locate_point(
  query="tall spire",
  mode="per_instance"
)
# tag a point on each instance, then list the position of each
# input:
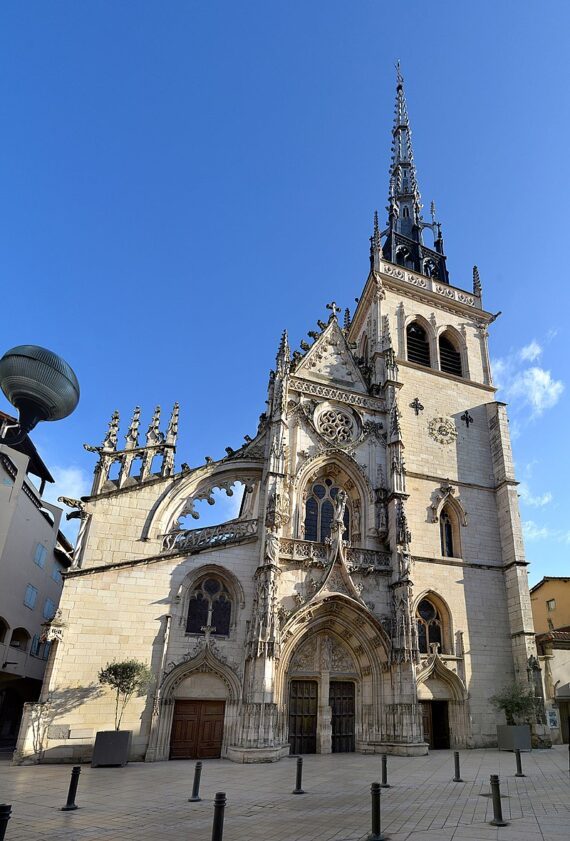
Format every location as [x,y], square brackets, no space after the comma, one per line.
[404,190]
[404,241]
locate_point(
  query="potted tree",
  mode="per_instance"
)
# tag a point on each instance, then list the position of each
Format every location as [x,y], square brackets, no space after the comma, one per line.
[519,705]
[112,747]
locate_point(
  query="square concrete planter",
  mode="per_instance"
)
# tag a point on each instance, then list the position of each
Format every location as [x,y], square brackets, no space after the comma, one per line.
[513,736]
[112,747]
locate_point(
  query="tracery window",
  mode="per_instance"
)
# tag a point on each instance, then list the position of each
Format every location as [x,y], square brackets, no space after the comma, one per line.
[319,510]
[210,606]
[418,345]
[429,626]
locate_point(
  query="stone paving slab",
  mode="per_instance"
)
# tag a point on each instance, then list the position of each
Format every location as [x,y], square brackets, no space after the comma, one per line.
[149,802]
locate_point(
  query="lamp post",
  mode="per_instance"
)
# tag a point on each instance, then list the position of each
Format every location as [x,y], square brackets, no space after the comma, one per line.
[40,384]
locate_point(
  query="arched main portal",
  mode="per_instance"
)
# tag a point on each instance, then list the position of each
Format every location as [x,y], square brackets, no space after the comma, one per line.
[331,679]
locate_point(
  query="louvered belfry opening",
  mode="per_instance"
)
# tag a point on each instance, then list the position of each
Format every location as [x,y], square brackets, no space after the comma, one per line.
[418,345]
[449,357]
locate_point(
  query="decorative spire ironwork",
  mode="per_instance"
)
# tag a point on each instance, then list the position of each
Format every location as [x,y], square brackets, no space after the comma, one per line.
[404,242]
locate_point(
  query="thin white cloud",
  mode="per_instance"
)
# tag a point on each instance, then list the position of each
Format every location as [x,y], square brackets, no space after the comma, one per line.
[530,352]
[533,531]
[536,388]
[529,498]
[527,387]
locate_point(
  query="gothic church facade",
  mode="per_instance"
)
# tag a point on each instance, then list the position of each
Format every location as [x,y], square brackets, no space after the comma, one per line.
[372,593]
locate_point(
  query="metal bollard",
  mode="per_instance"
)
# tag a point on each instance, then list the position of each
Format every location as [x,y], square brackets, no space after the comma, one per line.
[70,805]
[299,779]
[497,809]
[384,783]
[519,764]
[376,834]
[196,784]
[457,777]
[5,812]
[218,825]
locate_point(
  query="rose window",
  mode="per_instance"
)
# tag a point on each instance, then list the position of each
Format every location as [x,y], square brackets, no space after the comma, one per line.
[336,425]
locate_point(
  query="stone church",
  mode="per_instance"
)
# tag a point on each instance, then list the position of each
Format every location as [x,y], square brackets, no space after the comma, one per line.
[372,593]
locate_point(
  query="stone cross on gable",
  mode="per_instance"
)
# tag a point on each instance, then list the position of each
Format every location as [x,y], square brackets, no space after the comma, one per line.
[333,308]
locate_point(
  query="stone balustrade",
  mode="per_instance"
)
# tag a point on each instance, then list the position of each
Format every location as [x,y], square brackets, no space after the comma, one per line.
[209,537]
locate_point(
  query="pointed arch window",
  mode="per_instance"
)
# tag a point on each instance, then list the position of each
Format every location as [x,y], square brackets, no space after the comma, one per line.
[210,606]
[449,356]
[319,511]
[449,533]
[418,345]
[429,624]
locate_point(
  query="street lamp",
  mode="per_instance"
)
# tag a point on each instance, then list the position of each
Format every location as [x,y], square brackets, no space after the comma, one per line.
[40,384]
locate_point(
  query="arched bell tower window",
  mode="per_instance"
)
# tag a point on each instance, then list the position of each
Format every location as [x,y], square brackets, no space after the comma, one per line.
[449,356]
[210,606]
[429,626]
[418,345]
[319,511]
[449,533]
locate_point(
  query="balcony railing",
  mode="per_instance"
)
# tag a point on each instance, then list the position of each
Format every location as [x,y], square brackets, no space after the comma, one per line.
[209,537]
[316,554]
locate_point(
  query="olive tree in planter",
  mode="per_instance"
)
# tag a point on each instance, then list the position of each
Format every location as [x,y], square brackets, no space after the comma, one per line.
[127,678]
[518,703]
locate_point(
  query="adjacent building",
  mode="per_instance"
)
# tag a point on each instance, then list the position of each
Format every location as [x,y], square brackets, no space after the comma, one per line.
[550,602]
[371,594]
[33,555]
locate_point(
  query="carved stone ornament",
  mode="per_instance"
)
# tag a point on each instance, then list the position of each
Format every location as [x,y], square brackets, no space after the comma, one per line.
[54,629]
[336,425]
[442,430]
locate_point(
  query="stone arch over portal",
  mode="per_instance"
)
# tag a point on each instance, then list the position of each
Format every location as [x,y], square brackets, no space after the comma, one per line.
[355,632]
[205,661]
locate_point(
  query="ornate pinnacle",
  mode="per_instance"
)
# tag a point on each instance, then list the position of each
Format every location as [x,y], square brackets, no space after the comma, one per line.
[110,441]
[132,436]
[305,346]
[154,435]
[284,353]
[172,430]
[477,290]
[347,319]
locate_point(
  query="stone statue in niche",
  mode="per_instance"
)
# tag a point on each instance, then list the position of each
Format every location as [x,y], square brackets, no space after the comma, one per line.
[271,547]
[326,653]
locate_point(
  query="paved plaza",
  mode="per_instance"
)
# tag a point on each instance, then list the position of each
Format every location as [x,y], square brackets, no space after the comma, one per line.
[148,802]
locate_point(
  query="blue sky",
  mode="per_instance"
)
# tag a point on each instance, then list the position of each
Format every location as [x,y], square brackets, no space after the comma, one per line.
[181,181]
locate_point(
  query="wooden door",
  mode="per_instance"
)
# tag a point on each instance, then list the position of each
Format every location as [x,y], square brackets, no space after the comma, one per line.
[427,722]
[341,701]
[197,729]
[303,700]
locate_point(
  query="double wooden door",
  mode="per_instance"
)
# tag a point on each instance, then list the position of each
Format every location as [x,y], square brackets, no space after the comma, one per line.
[303,711]
[197,729]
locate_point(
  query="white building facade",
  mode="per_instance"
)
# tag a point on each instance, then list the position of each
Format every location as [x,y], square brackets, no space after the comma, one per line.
[372,593]
[33,555]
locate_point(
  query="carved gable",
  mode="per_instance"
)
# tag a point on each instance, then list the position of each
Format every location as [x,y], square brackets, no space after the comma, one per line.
[330,360]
